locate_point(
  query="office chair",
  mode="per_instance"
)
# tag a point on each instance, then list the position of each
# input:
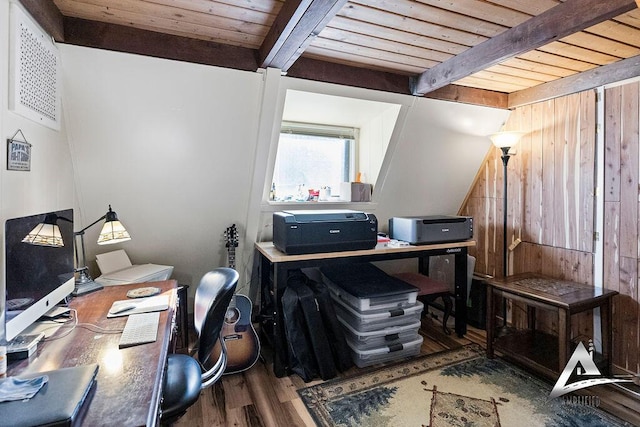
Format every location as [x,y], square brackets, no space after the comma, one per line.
[186,376]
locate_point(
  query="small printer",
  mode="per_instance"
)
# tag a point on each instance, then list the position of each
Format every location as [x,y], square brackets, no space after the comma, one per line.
[423,230]
[314,231]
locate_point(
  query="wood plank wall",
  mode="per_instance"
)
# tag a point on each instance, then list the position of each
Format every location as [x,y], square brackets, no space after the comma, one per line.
[550,193]
[622,165]
[551,181]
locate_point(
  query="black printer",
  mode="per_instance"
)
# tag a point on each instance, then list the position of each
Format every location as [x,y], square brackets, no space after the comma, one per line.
[313,231]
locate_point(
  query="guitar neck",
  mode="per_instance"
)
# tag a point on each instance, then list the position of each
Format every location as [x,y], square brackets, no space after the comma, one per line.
[231,234]
[232,257]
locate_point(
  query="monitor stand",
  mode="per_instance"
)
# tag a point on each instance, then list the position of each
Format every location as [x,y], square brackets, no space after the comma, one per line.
[56,312]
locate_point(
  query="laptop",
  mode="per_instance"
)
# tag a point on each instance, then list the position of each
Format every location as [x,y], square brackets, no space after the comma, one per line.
[59,401]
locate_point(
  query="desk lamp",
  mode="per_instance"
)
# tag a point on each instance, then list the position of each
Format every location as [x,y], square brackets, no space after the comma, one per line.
[112,232]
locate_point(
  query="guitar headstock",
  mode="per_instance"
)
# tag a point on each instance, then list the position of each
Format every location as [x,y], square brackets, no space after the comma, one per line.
[231,236]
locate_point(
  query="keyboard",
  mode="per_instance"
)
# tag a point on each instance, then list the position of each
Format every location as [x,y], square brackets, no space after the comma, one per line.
[141,328]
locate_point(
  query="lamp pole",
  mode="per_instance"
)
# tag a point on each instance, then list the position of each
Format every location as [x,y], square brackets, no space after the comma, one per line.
[505,159]
[504,141]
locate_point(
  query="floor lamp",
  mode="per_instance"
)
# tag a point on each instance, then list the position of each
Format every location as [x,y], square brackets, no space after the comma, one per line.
[504,141]
[112,232]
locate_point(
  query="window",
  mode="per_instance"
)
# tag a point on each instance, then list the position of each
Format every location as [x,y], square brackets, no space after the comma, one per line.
[313,157]
[325,140]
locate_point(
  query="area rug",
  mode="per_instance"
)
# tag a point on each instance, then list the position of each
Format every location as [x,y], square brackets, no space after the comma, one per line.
[459,387]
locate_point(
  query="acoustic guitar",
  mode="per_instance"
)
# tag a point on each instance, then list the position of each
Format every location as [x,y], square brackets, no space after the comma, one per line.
[240,338]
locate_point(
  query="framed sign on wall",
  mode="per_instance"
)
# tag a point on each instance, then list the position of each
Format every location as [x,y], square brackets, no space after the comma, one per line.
[18,153]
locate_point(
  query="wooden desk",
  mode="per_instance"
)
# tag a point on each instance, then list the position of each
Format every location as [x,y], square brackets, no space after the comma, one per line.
[275,267]
[543,352]
[129,381]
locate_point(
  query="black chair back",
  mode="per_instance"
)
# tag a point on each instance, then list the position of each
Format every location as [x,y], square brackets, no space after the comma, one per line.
[212,299]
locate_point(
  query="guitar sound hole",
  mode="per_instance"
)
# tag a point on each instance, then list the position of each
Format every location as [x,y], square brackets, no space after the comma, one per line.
[232,316]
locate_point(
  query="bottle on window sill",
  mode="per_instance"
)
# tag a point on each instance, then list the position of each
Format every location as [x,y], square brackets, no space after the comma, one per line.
[272,193]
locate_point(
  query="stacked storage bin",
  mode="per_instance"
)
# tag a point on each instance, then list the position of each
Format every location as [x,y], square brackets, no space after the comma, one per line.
[379,313]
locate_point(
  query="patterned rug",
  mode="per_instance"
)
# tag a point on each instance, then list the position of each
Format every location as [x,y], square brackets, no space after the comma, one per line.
[459,387]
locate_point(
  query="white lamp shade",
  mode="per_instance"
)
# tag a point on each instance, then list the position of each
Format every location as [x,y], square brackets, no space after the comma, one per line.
[45,234]
[113,232]
[506,138]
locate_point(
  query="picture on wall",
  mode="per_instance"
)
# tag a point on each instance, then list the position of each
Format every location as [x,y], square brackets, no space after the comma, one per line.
[18,155]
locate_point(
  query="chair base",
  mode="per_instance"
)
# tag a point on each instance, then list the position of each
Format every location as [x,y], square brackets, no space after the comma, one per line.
[181,388]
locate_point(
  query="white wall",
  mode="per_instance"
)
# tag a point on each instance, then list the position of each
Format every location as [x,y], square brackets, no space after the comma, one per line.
[375,134]
[182,151]
[170,146]
[438,153]
[48,186]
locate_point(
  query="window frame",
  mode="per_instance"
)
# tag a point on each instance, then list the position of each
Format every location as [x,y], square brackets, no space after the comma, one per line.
[350,165]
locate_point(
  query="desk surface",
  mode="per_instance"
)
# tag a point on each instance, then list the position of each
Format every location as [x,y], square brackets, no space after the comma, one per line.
[129,381]
[274,255]
[557,292]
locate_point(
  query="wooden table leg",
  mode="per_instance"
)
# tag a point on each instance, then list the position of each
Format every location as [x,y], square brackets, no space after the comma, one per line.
[607,336]
[531,318]
[564,335]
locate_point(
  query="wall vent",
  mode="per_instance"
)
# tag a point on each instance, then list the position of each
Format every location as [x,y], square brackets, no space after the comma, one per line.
[34,75]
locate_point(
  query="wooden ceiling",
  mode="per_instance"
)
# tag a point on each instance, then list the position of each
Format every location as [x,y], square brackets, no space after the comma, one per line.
[494,52]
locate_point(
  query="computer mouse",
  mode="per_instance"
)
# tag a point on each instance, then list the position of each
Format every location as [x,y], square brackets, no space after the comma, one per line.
[121,307]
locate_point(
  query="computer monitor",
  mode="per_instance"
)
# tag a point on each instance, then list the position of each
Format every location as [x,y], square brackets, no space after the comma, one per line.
[37,276]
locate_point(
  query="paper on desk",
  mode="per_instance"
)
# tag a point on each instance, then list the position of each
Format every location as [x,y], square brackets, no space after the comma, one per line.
[112,261]
[143,305]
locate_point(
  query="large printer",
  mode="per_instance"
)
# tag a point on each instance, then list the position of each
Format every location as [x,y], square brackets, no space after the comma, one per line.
[314,231]
[421,230]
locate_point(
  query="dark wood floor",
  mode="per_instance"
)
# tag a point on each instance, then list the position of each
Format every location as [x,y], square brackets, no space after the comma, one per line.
[257,398]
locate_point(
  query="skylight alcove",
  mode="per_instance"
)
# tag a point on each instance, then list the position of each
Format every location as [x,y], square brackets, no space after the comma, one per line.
[326,141]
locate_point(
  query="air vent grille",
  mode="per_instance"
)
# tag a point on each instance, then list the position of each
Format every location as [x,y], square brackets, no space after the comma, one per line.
[35,72]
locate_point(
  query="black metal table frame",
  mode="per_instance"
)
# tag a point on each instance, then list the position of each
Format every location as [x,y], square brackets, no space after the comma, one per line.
[275,274]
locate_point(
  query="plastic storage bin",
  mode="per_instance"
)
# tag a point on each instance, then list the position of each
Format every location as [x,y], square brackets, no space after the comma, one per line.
[374,303]
[381,337]
[375,319]
[363,358]
[366,287]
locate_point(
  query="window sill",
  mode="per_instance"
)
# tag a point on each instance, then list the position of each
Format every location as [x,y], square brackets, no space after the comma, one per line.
[268,206]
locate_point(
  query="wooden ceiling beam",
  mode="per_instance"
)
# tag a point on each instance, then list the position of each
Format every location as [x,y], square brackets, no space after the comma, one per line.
[471,95]
[347,75]
[590,79]
[297,24]
[48,16]
[555,23]
[126,39]
[121,38]
[142,42]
